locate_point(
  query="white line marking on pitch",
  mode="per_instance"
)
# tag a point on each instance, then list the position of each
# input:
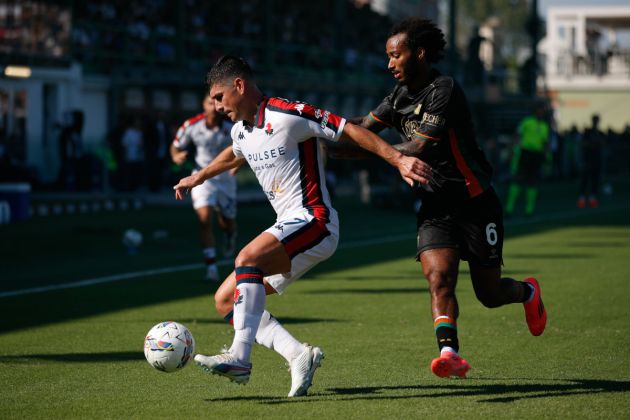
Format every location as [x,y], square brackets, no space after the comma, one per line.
[355,244]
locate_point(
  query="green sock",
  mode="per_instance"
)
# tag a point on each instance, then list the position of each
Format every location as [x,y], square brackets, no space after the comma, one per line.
[530,197]
[513,192]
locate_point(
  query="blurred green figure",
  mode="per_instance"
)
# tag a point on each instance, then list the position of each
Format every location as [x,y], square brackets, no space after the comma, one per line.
[529,156]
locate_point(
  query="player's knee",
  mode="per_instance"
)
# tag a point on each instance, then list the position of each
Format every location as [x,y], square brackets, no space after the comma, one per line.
[246,258]
[223,302]
[488,300]
[440,285]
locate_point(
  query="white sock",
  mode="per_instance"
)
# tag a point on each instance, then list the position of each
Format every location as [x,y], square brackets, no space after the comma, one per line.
[447,349]
[272,335]
[248,309]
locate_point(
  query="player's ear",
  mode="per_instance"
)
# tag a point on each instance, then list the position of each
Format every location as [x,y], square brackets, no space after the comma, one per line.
[239,85]
[421,53]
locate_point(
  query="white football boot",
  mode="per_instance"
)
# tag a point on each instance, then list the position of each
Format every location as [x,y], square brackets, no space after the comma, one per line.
[303,369]
[225,364]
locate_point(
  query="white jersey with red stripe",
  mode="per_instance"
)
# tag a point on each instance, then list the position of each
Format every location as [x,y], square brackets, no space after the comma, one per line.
[283,151]
[208,142]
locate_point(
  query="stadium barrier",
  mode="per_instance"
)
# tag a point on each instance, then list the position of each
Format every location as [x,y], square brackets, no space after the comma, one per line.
[17,195]
[5,213]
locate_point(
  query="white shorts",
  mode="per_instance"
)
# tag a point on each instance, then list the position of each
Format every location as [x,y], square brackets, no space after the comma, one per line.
[208,195]
[308,241]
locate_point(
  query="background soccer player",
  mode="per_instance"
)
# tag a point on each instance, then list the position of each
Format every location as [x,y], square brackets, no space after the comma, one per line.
[208,135]
[460,217]
[533,142]
[278,139]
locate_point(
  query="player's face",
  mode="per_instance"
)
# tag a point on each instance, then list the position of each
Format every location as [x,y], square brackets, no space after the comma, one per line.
[403,64]
[210,110]
[227,99]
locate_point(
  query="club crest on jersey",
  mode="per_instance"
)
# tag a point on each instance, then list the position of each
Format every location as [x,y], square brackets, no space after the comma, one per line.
[409,127]
[268,129]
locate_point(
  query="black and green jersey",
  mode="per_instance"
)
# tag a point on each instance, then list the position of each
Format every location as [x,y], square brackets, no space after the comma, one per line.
[439,114]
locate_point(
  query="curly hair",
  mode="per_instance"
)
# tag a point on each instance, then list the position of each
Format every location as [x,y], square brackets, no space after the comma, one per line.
[228,66]
[422,33]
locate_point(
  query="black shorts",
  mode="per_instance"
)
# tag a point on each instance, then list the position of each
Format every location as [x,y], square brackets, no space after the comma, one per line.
[530,164]
[474,227]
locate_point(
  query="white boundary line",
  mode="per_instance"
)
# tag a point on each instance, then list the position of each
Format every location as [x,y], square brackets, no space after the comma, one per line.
[355,244]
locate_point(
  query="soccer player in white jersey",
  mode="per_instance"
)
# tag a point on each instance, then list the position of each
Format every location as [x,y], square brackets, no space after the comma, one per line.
[209,135]
[278,139]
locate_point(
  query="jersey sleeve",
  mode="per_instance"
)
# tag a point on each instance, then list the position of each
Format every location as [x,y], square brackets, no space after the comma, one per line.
[434,115]
[311,121]
[384,113]
[236,147]
[182,136]
[325,125]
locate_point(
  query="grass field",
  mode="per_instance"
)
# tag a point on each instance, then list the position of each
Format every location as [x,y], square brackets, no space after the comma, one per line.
[77,352]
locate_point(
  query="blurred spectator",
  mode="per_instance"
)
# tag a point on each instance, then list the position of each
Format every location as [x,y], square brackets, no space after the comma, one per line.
[157,139]
[593,143]
[529,156]
[70,149]
[572,141]
[475,70]
[133,156]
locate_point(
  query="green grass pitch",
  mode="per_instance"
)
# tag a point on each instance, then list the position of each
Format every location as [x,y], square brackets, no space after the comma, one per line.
[77,352]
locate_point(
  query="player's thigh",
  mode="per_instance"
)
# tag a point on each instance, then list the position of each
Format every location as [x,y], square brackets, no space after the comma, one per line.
[266,253]
[307,242]
[204,214]
[302,262]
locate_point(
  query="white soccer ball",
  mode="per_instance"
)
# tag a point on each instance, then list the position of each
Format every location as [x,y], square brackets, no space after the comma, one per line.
[132,238]
[169,346]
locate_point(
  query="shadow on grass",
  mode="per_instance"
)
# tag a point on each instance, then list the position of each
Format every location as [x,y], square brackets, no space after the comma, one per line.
[284,320]
[103,357]
[487,393]
[388,291]
[549,256]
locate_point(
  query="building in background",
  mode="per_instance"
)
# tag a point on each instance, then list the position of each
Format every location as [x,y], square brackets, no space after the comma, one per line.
[587,65]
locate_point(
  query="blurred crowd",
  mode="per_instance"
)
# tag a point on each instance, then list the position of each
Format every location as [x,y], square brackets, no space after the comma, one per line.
[34,27]
[154,30]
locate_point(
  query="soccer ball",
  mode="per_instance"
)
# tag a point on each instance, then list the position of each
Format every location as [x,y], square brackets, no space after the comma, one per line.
[169,346]
[132,238]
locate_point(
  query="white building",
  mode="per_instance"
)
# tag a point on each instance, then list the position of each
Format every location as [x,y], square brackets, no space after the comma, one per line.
[586,59]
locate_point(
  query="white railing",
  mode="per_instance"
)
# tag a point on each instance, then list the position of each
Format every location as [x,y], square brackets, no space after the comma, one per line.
[570,64]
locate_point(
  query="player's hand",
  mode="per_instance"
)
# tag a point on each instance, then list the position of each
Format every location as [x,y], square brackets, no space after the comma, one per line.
[180,157]
[185,185]
[414,170]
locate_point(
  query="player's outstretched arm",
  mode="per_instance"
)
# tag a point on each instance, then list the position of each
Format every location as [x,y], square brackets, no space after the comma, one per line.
[178,156]
[411,169]
[224,161]
[350,150]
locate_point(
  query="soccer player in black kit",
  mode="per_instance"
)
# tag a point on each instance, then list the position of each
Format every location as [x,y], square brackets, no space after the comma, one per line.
[461,216]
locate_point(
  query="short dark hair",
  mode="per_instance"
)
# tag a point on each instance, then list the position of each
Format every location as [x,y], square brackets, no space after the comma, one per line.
[228,66]
[421,33]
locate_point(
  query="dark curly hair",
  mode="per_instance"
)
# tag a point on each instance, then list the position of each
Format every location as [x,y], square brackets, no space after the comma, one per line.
[228,66]
[422,33]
